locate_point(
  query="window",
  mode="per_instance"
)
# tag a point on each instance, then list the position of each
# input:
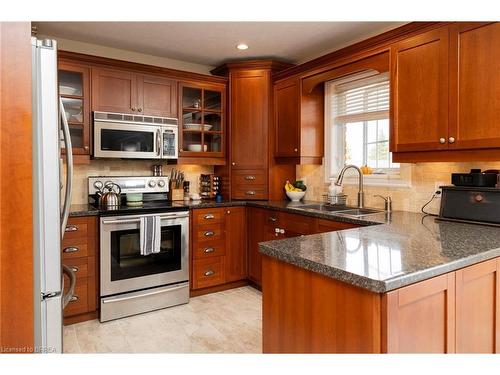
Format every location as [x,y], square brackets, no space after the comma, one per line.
[357,124]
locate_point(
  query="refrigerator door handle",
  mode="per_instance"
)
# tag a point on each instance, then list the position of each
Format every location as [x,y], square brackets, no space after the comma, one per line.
[69,168]
[72,282]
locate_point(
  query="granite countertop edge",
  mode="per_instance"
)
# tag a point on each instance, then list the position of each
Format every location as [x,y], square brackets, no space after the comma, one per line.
[378,286]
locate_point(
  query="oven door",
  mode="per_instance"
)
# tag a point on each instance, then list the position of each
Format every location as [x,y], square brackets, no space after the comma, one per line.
[128,141]
[124,269]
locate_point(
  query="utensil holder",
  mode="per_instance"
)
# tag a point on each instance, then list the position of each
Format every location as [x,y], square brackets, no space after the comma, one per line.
[176,194]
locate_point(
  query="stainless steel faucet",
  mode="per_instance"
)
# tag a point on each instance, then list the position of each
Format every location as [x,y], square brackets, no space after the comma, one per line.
[361,194]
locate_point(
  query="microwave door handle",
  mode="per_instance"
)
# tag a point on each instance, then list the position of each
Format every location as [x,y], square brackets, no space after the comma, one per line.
[69,168]
[158,143]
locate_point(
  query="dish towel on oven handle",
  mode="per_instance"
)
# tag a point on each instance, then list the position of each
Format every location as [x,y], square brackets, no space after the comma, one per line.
[150,235]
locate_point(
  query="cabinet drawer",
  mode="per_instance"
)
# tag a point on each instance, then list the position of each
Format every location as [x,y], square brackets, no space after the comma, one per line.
[74,249]
[82,267]
[250,192]
[205,233]
[249,177]
[209,249]
[329,225]
[79,302]
[77,227]
[207,216]
[208,272]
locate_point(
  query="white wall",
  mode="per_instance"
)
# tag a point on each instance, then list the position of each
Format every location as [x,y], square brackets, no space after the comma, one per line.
[120,54]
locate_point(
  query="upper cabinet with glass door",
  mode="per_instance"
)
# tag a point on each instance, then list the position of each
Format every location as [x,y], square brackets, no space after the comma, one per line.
[74,89]
[202,120]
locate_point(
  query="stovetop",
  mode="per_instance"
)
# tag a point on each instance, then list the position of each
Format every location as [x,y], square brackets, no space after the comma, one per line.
[148,207]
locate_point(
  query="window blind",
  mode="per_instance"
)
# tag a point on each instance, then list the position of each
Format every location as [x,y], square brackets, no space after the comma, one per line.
[361,100]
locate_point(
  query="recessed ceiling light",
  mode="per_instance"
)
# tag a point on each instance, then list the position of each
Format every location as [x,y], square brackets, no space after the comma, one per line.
[242,46]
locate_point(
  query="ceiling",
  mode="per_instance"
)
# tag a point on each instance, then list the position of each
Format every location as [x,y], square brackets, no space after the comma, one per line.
[211,43]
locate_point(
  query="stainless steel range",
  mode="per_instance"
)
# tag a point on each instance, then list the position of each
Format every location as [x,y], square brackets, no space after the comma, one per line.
[132,280]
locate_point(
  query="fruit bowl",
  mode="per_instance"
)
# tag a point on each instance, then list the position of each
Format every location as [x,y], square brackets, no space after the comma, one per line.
[295,196]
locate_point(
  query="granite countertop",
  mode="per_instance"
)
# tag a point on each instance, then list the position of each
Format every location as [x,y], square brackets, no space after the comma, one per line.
[391,252]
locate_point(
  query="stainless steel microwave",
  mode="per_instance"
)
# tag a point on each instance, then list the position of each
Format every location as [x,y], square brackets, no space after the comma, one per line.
[119,135]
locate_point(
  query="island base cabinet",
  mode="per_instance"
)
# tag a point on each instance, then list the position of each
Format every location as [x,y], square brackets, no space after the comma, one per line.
[478,308]
[305,312]
[420,318]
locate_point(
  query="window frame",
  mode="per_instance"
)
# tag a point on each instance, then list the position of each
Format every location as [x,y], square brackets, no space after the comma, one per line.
[335,140]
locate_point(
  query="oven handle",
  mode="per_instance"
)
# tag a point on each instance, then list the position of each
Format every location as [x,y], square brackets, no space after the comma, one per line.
[137,220]
[119,299]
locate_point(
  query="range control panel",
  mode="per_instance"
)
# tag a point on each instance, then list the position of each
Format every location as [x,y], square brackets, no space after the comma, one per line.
[149,184]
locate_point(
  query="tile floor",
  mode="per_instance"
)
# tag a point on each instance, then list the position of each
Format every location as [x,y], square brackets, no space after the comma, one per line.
[224,322]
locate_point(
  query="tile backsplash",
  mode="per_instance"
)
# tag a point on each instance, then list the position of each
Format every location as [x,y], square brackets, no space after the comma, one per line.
[422,178]
[119,167]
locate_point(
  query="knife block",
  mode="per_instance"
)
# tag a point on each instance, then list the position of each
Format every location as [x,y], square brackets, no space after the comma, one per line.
[176,194]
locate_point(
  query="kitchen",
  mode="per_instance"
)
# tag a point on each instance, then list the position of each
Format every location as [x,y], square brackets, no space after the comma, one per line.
[340,201]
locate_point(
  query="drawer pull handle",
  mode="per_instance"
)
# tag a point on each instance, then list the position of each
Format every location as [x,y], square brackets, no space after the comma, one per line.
[250,192]
[74,268]
[209,250]
[209,216]
[250,178]
[209,273]
[71,228]
[272,219]
[74,298]
[209,233]
[71,249]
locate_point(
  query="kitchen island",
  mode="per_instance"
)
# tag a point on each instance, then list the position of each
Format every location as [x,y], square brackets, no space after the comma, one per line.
[408,284]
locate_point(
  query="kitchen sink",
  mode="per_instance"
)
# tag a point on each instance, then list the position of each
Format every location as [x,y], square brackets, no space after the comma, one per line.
[341,210]
[360,212]
[325,207]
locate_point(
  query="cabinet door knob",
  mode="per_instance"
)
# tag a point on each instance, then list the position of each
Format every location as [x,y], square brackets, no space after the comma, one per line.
[139,109]
[233,163]
[295,149]
[228,212]
[442,140]
[282,231]
[133,109]
[86,148]
[451,140]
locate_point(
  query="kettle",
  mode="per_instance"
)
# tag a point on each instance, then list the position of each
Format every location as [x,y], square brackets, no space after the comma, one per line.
[109,198]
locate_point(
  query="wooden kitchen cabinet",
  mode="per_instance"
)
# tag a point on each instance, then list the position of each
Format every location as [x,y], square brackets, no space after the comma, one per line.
[236,243]
[443,84]
[79,252]
[478,308]
[128,92]
[249,118]
[157,96]
[252,173]
[421,317]
[298,123]
[202,122]
[74,90]
[219,248]
[420,90]
[475,85]
[261,228]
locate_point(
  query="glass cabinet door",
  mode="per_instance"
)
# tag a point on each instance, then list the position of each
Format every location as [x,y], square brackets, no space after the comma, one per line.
[74,90]
[202,122]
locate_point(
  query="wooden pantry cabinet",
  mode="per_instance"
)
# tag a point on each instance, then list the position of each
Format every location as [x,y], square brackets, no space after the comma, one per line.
[218,248]
[129,92]
[444,86]
[252,173]
[79,252]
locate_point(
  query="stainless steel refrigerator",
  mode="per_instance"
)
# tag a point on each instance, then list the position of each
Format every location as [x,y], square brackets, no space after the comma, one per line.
[50,128]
